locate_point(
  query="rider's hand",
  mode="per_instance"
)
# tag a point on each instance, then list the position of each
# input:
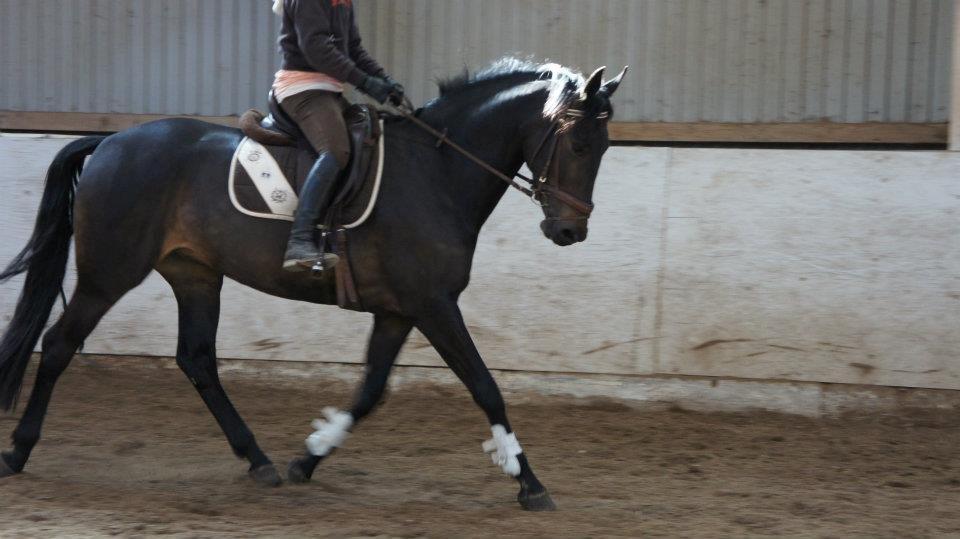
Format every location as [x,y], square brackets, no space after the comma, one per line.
[396,91]
[377,88]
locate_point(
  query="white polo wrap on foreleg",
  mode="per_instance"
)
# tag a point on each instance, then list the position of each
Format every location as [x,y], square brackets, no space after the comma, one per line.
[504,449]
[330,433]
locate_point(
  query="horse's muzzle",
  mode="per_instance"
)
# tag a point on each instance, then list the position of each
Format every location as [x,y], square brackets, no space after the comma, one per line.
[564,232]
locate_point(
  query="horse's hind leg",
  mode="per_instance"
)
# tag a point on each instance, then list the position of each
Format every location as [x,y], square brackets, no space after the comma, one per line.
[197,289]
[86,308]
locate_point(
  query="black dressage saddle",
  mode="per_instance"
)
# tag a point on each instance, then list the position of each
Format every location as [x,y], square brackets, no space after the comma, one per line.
[278,130]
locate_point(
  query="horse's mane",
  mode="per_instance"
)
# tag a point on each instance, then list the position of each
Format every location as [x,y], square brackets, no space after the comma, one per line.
[564,84]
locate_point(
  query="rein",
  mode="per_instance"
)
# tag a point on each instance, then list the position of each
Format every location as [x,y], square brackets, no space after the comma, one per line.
[538,189]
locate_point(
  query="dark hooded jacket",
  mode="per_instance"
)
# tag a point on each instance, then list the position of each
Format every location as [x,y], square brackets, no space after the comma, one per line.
[322,36]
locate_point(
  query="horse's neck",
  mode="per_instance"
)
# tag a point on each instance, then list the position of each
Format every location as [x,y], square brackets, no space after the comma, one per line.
[494,136]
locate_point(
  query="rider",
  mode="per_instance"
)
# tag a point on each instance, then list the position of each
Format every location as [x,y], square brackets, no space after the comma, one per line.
[321,50]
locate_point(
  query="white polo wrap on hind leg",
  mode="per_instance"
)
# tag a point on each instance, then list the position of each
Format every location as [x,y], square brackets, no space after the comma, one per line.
[504,449]
[331,433]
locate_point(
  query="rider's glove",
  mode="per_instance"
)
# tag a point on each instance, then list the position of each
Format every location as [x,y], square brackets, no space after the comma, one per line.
[377,88]
[396,91]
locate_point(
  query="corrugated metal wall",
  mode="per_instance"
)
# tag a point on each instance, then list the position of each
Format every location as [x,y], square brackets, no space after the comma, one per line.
[693,60]
[210,57]
[699,60]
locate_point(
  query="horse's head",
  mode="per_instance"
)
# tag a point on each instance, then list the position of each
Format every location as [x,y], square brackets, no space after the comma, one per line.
[564,150]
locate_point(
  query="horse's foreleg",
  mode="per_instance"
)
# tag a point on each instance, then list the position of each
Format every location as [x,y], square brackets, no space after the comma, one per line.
[59,344]
[198,297]
[389,334]
[450,336]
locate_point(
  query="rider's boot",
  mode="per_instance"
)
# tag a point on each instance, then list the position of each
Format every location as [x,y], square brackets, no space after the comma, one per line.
[318,190]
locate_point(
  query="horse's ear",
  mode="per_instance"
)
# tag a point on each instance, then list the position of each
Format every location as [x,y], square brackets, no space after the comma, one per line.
[610,87]
[592,86]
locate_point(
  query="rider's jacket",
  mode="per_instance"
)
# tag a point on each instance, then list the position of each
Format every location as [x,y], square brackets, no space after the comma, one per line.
[322,36]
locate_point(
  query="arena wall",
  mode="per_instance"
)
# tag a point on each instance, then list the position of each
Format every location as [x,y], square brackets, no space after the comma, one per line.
[737,70]
[827,266]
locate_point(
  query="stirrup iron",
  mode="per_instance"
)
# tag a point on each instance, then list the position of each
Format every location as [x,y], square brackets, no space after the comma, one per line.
[321,265]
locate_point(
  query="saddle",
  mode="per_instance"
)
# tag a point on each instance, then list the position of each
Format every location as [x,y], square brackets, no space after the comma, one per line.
[278,130]
[271,165]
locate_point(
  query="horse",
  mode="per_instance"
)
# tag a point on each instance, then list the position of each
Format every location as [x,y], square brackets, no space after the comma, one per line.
[132,208]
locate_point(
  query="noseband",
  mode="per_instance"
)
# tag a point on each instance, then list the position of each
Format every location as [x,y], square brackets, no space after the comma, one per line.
[539,190]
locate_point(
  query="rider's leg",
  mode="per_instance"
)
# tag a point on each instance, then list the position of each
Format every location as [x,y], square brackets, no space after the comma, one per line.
[317,192]
[320,116]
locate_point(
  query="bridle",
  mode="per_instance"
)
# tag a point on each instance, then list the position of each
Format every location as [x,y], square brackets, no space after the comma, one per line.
[539,190]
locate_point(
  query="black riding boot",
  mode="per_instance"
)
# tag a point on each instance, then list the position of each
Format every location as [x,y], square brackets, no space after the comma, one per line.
[317,193]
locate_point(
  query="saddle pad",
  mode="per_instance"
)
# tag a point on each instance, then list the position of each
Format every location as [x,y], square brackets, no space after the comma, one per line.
[264,182]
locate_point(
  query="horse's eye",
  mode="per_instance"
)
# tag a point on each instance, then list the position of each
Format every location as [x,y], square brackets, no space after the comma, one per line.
[579,147]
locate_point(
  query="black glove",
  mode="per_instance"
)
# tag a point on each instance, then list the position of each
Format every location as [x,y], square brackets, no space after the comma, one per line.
[377,88]
[396,91]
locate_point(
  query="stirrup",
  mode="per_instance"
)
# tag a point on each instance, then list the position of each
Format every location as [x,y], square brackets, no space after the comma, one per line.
[301,257]
[326,260]
[317,264]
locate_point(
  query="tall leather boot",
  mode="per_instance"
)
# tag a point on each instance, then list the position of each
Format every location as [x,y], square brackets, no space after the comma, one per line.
[318,190]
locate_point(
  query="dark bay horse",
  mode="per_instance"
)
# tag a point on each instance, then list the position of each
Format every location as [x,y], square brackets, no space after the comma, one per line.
[154,197]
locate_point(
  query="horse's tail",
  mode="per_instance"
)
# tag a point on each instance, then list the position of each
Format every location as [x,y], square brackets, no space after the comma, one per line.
[44,259]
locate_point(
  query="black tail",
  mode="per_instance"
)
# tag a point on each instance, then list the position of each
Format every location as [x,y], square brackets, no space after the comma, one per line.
[45,261]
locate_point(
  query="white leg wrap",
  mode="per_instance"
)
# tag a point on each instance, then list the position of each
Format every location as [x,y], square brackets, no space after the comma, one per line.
[331,433]
[503,449]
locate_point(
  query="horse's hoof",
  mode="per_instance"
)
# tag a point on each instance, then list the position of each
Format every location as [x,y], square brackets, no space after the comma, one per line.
[5,470]
[266,475]
[540,501]
[296,473]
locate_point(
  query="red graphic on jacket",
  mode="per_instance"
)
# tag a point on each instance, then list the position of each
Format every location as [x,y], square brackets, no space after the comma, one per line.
[336,3]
